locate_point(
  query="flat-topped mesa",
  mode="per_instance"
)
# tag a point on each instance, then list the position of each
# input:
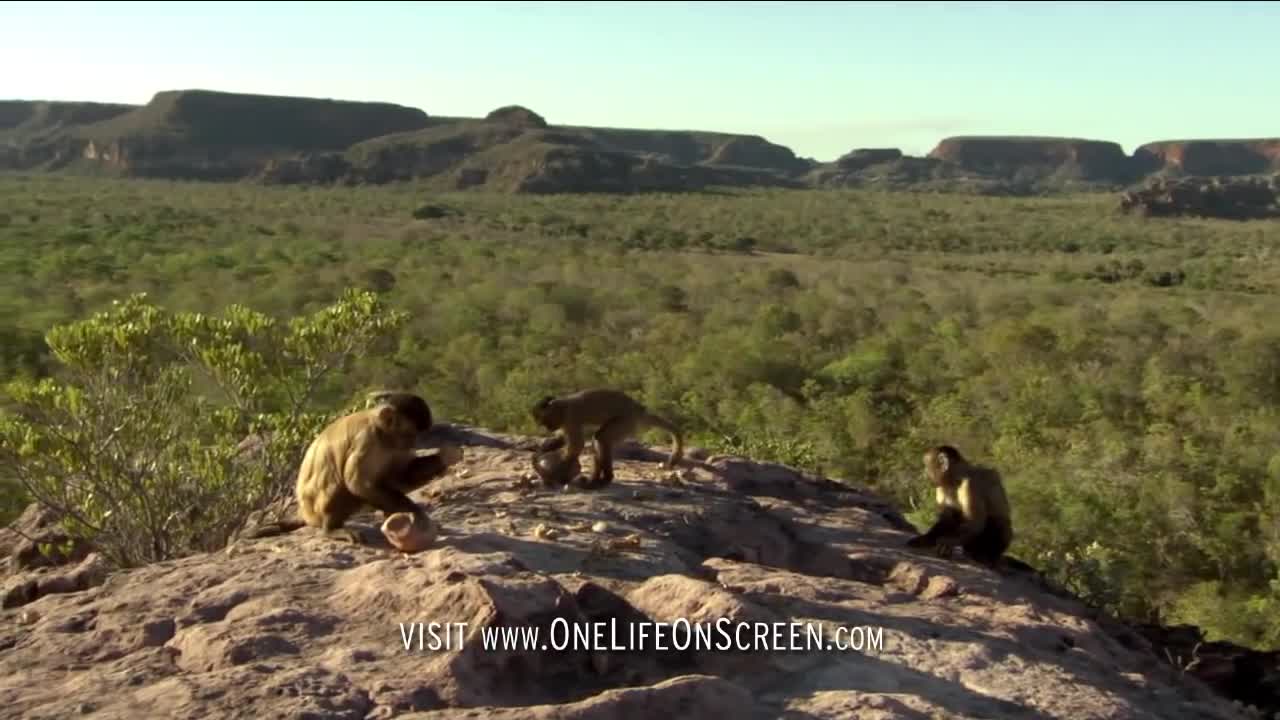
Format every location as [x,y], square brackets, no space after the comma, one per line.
[859,158]
[247,120]
[1087,159]
[1213,157]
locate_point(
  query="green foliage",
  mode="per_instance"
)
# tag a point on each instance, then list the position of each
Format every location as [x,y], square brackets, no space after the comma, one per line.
[137,443]
[1132,413]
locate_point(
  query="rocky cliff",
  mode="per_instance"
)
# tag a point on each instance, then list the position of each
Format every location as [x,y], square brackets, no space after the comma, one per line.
[1213,157]
[25,120]
[1009,156]
[825,612]
[232,136]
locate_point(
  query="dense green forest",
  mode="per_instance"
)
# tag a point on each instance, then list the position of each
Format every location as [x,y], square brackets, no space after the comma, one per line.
[1122,373]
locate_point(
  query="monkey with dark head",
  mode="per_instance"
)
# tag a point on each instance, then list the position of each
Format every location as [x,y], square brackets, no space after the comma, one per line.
[973,510]
[615,417]
[365,458]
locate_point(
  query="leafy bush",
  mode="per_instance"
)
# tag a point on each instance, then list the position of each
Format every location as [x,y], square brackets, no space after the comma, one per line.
[137,443]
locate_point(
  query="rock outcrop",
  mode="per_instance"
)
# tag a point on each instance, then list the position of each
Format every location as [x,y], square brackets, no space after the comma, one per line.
[1089,160]
[1241,199]
[25,120]
[1212,157]
[517,116]
[866,157]
[299,626]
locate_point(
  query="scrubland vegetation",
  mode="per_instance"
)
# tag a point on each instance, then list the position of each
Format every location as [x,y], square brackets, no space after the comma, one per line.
[1123,374]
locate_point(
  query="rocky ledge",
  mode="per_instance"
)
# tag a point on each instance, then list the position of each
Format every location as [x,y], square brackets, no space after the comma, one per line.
[301,627]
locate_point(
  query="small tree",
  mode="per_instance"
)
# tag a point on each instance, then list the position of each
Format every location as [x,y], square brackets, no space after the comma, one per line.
[139,445]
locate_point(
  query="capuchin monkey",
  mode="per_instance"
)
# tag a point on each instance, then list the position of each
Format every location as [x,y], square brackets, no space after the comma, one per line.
[614,414]
[365,458]
[973,509]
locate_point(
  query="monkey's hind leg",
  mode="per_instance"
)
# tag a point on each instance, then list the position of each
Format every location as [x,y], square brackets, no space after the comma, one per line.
[609,434]
[990,544]
[334,514]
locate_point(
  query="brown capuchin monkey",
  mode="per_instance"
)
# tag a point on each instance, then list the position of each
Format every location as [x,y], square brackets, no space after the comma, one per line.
[973,511]
[614,415]
[365,458]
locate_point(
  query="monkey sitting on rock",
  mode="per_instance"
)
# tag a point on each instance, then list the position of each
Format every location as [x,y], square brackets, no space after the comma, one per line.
[973,511]
[615,416]
[366,458]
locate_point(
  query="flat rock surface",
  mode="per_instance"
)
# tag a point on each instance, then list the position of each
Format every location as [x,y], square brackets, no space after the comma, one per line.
[634,589]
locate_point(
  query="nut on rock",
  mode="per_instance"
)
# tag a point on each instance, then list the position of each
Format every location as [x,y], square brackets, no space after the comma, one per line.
[407,536]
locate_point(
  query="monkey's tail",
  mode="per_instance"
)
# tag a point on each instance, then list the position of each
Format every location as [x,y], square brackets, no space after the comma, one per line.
[677,453]
[280,527]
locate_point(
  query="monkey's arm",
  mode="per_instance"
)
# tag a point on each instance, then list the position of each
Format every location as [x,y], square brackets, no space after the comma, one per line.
[422,469]
[555,442]
[949,518]
[372,478]
[573,441]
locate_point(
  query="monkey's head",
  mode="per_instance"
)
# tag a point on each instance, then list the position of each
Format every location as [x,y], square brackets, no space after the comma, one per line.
[412,410]
[940,462]
[548,413]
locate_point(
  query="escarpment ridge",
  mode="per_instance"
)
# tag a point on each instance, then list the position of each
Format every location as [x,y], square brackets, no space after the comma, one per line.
[227,136]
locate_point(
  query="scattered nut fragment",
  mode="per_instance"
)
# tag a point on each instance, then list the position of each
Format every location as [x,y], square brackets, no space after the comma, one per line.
[498,513]
[600,526]
[544,532]
[462,472]
[28,617]
[630,541]
[578,526]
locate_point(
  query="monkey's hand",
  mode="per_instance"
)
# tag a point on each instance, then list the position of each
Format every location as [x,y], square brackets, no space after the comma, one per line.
[450,455]
[555,442]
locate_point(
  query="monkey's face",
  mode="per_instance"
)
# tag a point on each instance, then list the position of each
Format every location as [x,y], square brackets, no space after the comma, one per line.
[935,467]
[412,408]
[548,414]
[397,428]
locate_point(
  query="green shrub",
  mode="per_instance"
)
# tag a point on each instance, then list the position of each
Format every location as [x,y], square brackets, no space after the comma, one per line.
[136,443]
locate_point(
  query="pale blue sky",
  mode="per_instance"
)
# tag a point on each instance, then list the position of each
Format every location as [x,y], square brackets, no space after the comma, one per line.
[821,78]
